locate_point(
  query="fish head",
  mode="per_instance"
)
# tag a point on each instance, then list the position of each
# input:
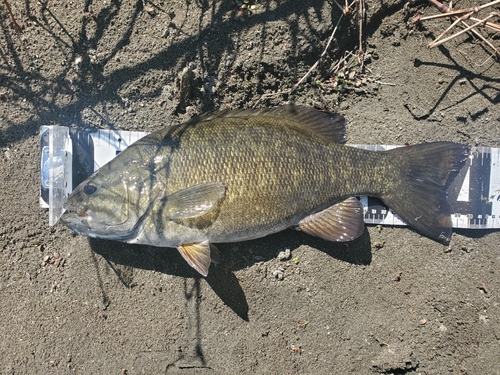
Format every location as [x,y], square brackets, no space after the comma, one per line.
[106,205]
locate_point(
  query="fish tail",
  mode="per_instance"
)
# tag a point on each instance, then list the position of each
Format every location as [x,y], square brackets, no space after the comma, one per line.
[418,192]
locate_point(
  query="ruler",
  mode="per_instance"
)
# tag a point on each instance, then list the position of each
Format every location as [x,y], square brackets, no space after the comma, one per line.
[69,156]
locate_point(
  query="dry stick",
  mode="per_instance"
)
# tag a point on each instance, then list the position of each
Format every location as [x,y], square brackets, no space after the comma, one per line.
[361,20]
[294,87]
[269,95]
[336,67]
[480,36]
[491,25]
[462,31]
[457,20]
[489,4]
[444,9]
[385,83]
[441,7]
[443,15]
[476,33]
[496,51]
[340,7]
[16,25]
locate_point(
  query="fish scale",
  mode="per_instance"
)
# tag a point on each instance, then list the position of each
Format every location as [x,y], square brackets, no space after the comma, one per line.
[257,175]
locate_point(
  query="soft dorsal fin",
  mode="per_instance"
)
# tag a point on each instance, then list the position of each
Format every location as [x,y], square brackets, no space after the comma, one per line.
[340,223]
[329,125]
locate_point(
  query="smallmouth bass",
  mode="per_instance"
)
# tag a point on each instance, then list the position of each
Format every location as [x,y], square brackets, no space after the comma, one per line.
[239,175]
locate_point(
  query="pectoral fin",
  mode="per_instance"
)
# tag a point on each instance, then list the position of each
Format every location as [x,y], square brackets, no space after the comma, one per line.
[199,255]
[340,223]
[193,201]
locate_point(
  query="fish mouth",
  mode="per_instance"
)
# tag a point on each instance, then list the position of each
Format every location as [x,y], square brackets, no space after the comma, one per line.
[76,218]
[81,211]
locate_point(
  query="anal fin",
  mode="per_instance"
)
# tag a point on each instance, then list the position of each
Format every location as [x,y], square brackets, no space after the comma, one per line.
[340,223]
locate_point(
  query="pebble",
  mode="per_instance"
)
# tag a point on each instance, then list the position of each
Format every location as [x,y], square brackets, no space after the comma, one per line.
[279,274]
[78,61]
[285,255]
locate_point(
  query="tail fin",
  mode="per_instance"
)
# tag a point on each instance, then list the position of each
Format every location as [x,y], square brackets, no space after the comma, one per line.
[419,194]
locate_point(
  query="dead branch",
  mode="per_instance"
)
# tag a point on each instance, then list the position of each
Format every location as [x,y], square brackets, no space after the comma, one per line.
[361,21]
[294,87]
[16,25]
[460,17]
[437,43]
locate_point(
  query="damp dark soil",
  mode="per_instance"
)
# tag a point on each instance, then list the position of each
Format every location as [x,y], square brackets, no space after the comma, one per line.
[391,302]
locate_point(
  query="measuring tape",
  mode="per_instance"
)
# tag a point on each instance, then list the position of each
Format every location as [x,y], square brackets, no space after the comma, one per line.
[70,156]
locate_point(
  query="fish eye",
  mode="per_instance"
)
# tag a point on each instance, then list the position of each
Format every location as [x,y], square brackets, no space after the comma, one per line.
[89,189]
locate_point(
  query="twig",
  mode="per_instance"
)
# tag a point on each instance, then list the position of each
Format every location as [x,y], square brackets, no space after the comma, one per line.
[340,7]
[346,56]
[443,15]
[269,95]
[361,20]
[441,7]
[437,43]
[294,87]
[446,11]
[385,83]
[491,25]
[464,14]
[16,25]
[457,20]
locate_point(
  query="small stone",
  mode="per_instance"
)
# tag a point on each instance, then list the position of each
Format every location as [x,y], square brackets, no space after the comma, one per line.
[78,61]
[284,255]
[278,274]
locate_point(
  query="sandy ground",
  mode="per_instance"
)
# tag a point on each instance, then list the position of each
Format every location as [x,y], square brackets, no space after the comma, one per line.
[74,305]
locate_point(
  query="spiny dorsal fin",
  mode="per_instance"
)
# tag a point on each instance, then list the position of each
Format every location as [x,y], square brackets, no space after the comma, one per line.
[340,223]
[329,125]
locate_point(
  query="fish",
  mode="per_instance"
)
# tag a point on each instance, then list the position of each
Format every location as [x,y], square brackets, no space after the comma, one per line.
[237,175]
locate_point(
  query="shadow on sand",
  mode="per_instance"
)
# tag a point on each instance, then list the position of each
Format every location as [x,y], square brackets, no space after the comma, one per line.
[221,278]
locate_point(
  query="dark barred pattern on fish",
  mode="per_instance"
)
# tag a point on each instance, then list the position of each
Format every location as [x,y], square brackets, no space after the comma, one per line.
[240,175]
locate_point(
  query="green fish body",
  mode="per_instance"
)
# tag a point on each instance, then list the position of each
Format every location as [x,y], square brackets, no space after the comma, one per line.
[240,175]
